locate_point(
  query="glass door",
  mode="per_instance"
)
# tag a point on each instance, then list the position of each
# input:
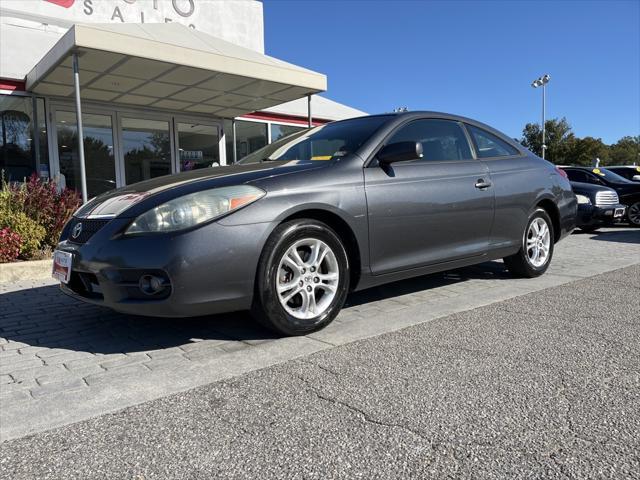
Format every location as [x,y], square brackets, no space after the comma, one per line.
[198,145]
[146,148]
[99,150]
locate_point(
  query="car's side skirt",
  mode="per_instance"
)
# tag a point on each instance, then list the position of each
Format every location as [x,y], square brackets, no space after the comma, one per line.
[367,280]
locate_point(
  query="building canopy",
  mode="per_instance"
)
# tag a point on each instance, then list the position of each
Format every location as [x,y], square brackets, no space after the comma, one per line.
[169,66]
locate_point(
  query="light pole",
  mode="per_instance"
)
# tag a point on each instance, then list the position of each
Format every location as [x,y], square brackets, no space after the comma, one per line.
[542,82]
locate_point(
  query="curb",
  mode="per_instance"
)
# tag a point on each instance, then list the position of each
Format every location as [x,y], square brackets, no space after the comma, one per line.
[29,270]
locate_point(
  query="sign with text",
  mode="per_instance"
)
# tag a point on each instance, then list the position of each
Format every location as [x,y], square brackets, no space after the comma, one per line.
[239,22]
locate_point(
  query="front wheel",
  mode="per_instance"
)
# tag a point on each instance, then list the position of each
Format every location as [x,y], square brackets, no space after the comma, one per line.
[633,214]
[534,256]
[303,278]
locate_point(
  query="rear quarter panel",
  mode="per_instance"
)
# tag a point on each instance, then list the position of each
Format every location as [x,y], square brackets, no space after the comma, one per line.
[520,184]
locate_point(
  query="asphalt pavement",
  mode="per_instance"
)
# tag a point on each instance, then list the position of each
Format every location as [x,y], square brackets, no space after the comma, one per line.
[545,385]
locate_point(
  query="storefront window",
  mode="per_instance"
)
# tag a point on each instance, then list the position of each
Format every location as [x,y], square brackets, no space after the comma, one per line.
[198,146]
[147,149]
[98,152]
[278,131]
[250,136]
[20,154]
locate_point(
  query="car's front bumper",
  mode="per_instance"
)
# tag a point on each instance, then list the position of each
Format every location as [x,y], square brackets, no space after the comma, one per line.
[593,215]
[207,270]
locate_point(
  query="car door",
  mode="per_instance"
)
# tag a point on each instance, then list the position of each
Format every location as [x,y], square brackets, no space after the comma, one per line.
[516,180]
[431,210]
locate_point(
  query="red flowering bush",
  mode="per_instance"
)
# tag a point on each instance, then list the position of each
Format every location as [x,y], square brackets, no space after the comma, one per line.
[42,202]
[9,245]
[33,214]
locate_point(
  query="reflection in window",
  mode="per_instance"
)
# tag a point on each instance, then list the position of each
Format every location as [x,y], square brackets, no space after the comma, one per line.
[198,146]
[250,136]
[98,152]
[278,131]
[440,139]
[147,149]
[19,153]
[488,145]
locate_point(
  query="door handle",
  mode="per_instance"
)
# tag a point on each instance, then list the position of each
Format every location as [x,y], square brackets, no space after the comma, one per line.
[481,184]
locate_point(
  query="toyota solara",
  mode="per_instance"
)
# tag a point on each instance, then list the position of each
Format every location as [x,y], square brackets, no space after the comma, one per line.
[291,229]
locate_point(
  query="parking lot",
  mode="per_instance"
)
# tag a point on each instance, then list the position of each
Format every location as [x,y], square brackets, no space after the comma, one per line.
[544,385]
[61,361]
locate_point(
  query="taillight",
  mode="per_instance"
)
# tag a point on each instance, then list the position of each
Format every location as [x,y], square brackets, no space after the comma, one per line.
[562,173]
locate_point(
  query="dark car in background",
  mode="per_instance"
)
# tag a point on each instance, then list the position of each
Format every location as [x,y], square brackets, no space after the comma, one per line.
[292,228]
[630,172]
[598,206]
[627,190]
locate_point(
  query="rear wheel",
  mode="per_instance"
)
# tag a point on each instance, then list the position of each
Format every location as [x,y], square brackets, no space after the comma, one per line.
[633,214]
[536,251]
[303,278]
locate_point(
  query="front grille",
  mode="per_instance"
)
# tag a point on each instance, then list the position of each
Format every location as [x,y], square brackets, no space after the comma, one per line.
[89,229]
[607,198]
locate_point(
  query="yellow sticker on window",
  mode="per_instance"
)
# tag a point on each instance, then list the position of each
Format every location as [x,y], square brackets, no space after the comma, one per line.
[598,172]
[322,157]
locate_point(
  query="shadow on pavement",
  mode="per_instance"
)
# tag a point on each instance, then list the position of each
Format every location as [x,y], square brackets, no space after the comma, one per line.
[45,317]
[619,236]
[487,270]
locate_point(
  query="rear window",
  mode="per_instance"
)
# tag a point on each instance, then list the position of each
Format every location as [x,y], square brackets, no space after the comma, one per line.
[326,142]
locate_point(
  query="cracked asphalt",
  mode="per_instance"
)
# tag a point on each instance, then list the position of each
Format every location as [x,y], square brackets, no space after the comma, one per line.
[545,385]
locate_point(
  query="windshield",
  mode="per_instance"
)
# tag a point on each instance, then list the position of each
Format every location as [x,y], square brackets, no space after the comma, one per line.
[611,176]
[326,142]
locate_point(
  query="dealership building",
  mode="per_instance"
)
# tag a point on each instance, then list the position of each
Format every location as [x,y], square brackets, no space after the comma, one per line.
[163,86]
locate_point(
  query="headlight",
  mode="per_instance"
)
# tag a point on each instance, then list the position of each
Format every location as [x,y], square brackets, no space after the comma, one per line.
[582,200]
[193,209]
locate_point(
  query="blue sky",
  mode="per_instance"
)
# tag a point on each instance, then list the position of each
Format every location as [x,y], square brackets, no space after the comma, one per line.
[473,58]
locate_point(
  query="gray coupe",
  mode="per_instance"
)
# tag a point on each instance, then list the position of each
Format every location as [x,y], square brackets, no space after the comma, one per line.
[291,229]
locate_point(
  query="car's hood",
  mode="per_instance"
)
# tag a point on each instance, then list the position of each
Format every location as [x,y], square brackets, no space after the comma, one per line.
[588,188]
[116,201]
[626,188]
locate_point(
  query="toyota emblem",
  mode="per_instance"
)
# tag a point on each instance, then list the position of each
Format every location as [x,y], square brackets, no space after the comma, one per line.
[77,230]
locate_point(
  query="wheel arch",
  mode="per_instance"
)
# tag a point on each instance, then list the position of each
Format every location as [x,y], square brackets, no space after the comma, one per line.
[342,229]
[552,210]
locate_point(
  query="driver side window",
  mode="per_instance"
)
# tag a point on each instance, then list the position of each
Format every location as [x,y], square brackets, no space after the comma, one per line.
[441,139]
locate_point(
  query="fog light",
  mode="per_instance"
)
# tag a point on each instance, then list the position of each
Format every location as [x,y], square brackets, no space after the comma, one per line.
[150,284]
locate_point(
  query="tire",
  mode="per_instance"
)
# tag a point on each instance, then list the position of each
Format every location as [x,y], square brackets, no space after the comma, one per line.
[314,287]
[521,263]
[633,214]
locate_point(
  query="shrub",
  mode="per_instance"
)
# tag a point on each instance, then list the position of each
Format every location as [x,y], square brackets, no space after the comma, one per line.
[30,232]
[41,202]
[9,245]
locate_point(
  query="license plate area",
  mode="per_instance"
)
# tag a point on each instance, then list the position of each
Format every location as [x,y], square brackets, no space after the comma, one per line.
[62,262]
[618,212]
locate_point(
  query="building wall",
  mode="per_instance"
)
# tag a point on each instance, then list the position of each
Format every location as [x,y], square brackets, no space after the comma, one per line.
[29,28]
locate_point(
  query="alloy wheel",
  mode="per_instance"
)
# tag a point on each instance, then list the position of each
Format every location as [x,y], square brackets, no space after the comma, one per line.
[538,242]
[634,213]
[308,277]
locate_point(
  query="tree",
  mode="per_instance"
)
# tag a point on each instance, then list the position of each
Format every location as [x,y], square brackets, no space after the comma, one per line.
[625,152]
[559,139]
[585,150]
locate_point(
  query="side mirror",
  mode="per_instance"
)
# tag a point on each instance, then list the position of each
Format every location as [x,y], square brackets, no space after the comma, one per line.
[636,178]
[399,152]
